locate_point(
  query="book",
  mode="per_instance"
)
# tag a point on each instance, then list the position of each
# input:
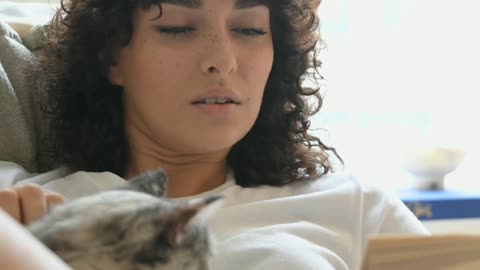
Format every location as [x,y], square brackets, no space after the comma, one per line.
[441,204]
[439,252]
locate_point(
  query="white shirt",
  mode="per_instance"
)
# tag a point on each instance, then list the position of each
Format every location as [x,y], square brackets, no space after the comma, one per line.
[318,224]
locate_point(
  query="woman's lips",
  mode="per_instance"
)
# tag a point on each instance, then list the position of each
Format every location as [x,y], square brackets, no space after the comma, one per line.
[219,93]
[217,111]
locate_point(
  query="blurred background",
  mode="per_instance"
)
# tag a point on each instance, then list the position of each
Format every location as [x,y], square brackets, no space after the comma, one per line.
[401,76]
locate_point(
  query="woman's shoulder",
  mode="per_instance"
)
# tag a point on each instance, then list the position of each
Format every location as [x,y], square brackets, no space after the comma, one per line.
[331,182]
[333,197]
[331,186]
[347,188]
[381,210]
[339,184]
[343,185]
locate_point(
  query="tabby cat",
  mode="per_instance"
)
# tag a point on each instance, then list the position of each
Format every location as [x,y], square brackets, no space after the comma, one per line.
[132,228]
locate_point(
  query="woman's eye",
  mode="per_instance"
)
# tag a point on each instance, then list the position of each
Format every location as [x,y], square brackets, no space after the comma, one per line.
[176,31]
[251,32]
[180,31]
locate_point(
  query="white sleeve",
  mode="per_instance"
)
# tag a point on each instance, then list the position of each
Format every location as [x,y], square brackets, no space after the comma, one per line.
[385,213]
[399,219]
[11,173]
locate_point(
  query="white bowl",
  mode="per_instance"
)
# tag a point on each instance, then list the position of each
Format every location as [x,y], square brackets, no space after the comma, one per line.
[429,166]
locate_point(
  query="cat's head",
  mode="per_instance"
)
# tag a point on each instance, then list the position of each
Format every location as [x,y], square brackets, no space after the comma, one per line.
[131,227]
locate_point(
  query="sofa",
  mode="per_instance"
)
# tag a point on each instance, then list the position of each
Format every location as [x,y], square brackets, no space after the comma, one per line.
[22,122]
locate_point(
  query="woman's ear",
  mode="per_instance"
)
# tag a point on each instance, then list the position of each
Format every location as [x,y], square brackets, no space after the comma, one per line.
[114,74]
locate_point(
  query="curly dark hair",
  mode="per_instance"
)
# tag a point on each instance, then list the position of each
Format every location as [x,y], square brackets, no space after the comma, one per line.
[86,111]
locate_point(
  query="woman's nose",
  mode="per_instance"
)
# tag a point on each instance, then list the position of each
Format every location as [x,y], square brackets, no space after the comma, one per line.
[219,55]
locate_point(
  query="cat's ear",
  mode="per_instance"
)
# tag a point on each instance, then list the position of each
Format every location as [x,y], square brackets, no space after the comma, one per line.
[153,183]
[196,211]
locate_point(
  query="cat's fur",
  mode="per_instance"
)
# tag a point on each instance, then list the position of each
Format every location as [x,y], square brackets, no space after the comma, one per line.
[130,228]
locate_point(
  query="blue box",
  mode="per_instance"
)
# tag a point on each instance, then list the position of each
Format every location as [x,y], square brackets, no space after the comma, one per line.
[441,204]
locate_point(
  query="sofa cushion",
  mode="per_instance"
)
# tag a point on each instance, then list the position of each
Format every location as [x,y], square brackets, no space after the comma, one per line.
[22,122]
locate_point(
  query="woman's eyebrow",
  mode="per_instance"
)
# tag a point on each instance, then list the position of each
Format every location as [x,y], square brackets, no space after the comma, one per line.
[239,4]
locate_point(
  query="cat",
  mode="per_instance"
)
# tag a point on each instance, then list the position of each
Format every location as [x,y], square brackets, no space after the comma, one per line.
[132,228]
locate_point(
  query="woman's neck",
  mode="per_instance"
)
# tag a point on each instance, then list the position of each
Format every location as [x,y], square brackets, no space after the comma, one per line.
[187,175]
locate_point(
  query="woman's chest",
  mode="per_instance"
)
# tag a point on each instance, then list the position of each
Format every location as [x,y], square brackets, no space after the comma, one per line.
[280,237]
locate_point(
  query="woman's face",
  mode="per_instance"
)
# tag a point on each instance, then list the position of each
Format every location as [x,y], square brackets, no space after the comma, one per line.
[196,53]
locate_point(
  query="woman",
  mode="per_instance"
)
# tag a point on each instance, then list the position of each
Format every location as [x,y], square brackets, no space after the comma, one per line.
[212,92]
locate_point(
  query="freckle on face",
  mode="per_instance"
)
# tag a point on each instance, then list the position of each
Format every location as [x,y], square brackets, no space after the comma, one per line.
[211,37]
